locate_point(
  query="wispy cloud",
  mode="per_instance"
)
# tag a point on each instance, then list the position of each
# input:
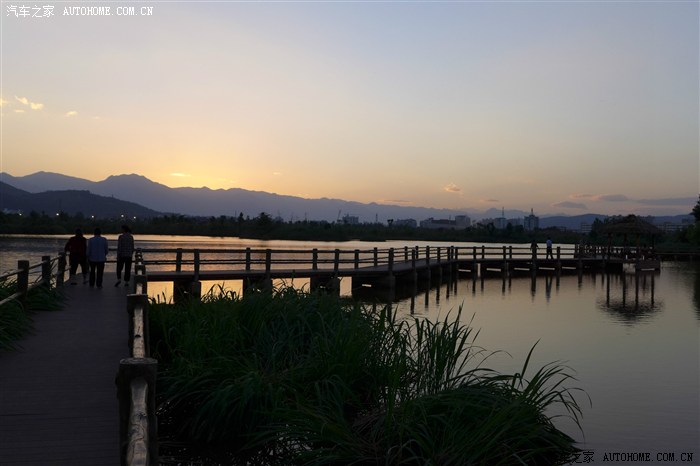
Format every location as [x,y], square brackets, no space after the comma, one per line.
[569,205]
[19,110]
[3,102]
[612,198]
[581,196]
[674,201]
[393,201]
[72,113]
[489,201]
[180,175]
[452,188]
[28,103]
[276,173]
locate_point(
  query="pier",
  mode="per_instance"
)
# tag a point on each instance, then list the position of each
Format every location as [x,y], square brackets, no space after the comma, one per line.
[80,389]
[382,270]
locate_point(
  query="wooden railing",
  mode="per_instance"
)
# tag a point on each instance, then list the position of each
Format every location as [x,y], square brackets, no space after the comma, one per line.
[136,382]
[43,273]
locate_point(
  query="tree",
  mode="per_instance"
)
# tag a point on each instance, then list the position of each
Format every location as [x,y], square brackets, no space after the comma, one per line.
[696,211]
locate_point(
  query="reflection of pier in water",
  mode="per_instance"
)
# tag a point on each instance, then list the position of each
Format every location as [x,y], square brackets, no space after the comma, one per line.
[635,302]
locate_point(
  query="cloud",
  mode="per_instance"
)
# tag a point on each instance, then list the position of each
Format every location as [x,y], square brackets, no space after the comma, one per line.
[581,196]
[674,201]
[393,201]
[276,173]
[569,205]
[180,175]
[72,113]
[489,201]
[613,198]
[32,105]
[19,110]
[3,102]
[452,188]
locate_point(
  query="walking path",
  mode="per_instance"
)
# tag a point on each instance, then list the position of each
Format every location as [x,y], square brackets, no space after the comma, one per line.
[58,400]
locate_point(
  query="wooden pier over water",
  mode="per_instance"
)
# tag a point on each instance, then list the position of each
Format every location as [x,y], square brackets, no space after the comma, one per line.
[380,269]
[59,403]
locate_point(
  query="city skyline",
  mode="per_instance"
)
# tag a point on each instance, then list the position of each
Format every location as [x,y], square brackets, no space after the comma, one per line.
[564,107]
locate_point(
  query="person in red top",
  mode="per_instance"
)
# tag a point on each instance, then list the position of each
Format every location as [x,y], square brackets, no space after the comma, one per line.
[76,247]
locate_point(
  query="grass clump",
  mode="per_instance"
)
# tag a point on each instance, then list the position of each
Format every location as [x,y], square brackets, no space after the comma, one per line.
[15,316]
[296,378]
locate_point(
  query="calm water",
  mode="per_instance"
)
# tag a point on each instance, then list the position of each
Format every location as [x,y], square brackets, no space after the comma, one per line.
[634,341]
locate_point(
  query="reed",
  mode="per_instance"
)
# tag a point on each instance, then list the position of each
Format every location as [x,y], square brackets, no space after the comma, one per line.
[300,378]
[15,317]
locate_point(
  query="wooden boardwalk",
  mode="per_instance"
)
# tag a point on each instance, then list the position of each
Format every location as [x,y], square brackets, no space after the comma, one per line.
[58,400]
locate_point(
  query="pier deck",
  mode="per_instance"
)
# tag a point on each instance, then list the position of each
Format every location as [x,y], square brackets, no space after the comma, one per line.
[58,403]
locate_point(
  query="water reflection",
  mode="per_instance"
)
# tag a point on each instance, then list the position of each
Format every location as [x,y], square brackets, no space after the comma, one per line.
[630,298]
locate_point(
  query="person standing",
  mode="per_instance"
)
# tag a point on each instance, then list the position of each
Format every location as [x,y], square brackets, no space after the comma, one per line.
[125,251]
[549,249]
[76,247]
[97,250]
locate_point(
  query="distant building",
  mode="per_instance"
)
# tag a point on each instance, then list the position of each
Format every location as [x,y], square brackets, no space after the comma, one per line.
[459,223]
[351,220]
[406,222]
[531,222]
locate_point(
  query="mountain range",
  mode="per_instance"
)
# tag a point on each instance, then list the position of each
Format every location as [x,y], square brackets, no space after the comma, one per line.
[136,195]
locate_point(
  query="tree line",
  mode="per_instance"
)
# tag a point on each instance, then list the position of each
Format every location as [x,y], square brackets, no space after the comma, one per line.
[264,226]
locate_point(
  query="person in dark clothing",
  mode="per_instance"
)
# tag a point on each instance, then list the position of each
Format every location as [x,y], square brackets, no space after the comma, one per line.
[76,247]
[125,251]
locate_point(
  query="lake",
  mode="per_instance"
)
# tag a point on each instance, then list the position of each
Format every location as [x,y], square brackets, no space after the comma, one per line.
[633,340]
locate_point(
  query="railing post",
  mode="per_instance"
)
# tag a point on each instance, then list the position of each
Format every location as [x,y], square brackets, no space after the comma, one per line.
[438,254]
[196,264]
[178,260]
[247,259]
[131,371]
[268,263]
[357,258]
[23,280]
[427,255]
[60,275]
[46,271]
[405,253]
[314,259]
[483,251]
[336,261]
[391,260]
[376,257]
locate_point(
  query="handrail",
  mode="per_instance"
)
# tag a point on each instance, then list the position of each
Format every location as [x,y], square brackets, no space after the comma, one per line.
[44,277]
[136,382]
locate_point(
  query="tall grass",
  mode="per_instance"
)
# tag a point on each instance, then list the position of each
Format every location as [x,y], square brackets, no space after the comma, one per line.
[304,379]
[15,317]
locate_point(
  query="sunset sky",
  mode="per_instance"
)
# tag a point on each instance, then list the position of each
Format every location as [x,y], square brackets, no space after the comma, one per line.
[563,107]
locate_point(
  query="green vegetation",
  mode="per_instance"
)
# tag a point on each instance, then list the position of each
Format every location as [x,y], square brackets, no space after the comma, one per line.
[265,227]
[15,318]
[293,378]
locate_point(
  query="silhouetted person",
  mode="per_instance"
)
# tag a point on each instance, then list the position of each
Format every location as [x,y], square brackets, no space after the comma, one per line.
[97,250]
[125,251]
[76,247]
[549,249]
[533,248]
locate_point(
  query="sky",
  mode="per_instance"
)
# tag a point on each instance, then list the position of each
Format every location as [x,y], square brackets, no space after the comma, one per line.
[565,107]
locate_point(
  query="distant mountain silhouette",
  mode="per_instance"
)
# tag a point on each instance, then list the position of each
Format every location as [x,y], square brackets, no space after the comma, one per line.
[215,202]
[156,197]
[70,202]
